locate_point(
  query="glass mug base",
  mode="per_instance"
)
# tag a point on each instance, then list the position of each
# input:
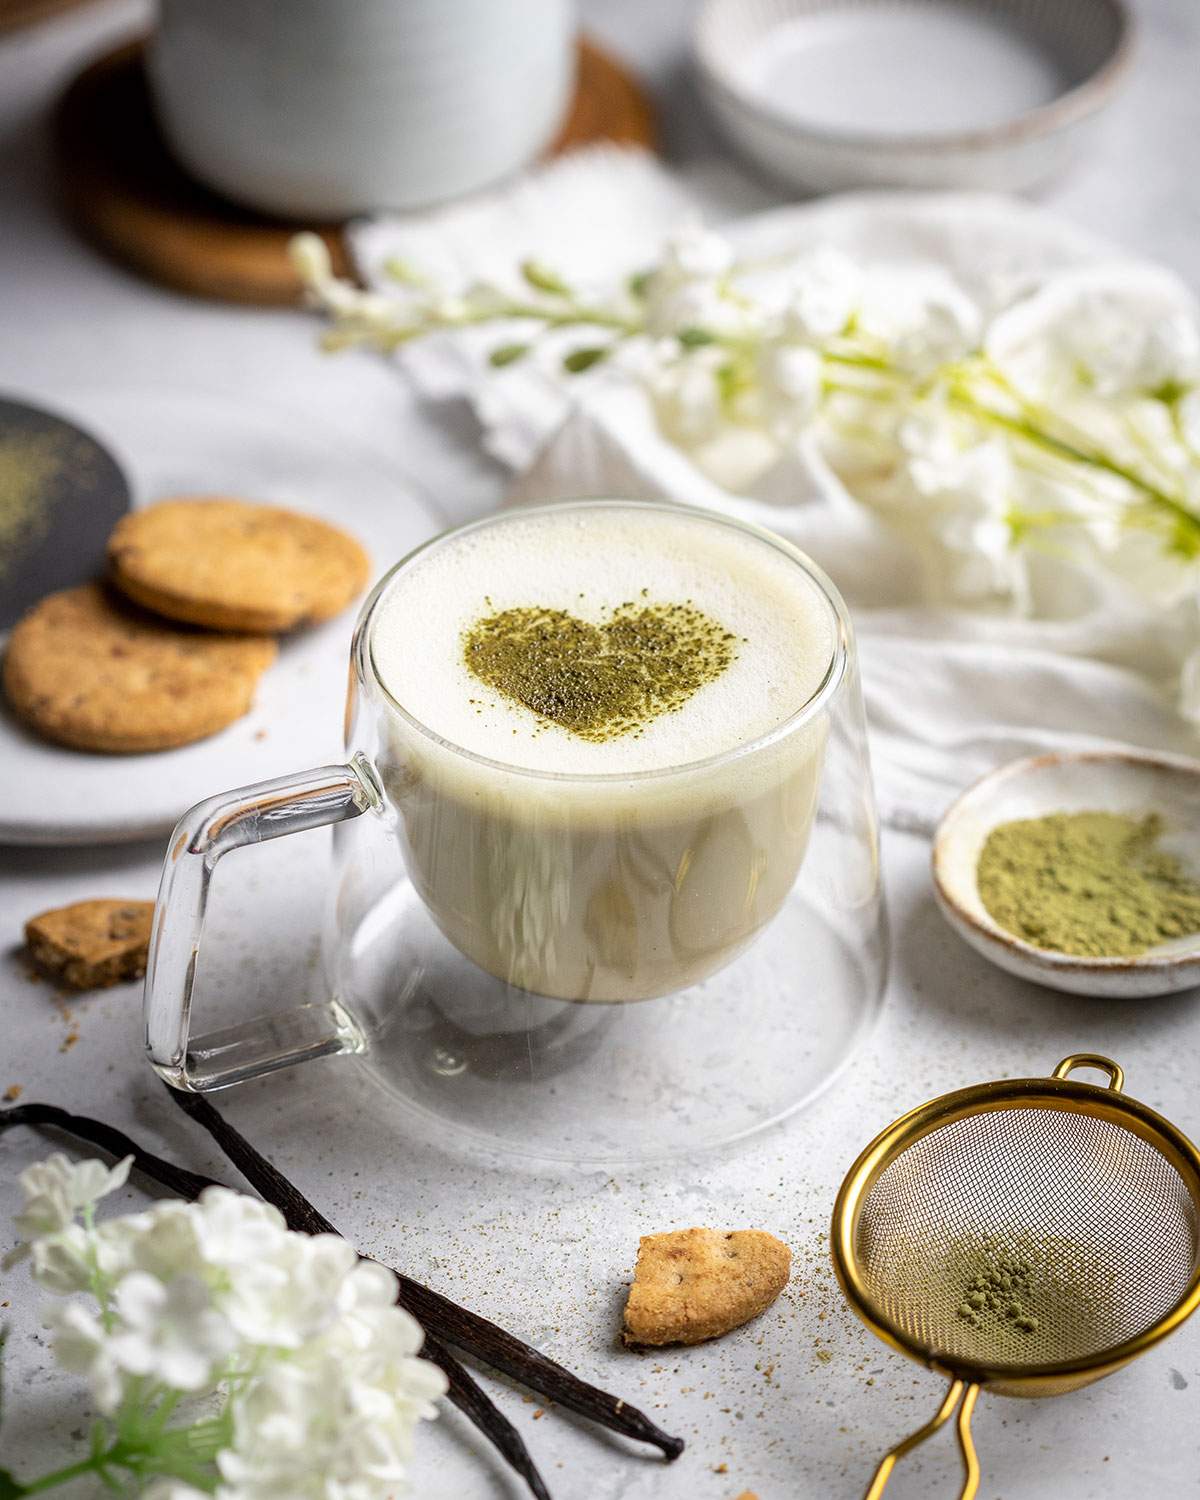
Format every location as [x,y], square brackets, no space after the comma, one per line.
[740,887]
[469,1057]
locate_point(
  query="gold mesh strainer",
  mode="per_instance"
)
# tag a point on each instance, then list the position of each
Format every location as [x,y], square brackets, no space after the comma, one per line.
[1026,1237]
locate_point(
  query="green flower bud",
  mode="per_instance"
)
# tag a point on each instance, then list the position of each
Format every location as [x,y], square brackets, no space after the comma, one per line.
[583,359]
[543,280]
[507,354]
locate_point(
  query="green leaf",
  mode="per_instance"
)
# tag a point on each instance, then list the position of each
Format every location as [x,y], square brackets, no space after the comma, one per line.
[543,280]
[638,283]
[583,359]
[507,354]
[695,338]
[9,1488]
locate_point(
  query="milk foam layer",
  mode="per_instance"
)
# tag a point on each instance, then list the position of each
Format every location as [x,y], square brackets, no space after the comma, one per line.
[588,561]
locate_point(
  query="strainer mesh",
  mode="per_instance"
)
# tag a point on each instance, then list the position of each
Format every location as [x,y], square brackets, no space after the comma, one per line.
[1080,1234]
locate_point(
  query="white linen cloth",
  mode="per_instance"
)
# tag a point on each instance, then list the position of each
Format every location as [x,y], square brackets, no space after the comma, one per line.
[950,694]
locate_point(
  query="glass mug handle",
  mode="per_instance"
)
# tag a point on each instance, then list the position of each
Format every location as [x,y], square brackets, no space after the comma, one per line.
[231,820]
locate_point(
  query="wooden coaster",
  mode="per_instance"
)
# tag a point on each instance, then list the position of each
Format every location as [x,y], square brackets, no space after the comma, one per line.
[16,14]
[127,195]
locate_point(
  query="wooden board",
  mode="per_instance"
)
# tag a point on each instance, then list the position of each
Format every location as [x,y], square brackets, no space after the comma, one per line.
[128,197]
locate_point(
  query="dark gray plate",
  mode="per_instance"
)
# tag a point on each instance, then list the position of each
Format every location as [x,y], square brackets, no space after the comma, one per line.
[61,493]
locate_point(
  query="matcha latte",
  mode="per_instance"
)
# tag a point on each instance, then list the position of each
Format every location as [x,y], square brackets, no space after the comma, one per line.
[608,751]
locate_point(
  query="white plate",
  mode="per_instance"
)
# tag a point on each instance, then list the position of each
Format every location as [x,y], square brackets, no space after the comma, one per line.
[181,442]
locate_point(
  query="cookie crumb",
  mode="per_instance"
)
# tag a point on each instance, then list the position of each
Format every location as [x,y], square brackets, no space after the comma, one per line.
[696,1284]
[91,945]
[13,1092]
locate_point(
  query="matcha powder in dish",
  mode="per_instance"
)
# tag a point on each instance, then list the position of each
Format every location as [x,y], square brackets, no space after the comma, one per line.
[1092,884]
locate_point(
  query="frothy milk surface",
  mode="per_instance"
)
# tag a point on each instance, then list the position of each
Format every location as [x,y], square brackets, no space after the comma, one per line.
[589,562]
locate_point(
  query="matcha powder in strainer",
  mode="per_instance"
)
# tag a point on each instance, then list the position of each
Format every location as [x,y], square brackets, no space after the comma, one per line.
[1094,884]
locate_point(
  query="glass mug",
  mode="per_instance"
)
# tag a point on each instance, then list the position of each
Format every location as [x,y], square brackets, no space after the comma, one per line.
[614,966]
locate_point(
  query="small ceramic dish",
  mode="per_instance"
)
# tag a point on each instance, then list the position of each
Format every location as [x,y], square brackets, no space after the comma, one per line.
[1031,788]
[977,94]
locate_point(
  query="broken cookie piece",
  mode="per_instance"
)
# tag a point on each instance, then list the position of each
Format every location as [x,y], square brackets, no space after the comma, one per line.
[92,944]
[696,1284]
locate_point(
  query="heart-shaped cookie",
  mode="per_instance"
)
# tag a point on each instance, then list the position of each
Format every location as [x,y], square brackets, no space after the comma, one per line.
[599,681]
[696,1284]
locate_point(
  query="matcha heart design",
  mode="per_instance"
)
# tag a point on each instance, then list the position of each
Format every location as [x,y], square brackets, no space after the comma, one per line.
[599,681]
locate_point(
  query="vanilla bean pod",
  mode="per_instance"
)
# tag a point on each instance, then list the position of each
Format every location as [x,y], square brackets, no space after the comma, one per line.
[478,1407]
[466,1330]
[463,1390]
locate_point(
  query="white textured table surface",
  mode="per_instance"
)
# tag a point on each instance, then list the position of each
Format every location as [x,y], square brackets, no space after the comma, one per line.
[548,1253]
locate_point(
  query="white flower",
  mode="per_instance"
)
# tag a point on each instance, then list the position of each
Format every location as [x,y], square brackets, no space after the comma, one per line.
[1109,329]
[921,315]
[686,288]
[824,288]
[695,254]
[161,1242]
[171,1332]
[63,1262]
[370,1287]
[790,383]
[336,1420]
[325,1386]
[687,399]
[1148,570]
[291,1298]
[952,496]
[57,1188]
[232,1229]
[82,1346]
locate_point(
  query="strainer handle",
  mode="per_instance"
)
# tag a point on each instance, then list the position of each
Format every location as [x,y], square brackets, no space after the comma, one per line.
[1116,1075]
[969,1393]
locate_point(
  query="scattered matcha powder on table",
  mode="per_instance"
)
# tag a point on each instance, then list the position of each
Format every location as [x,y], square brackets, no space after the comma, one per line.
[1094,884]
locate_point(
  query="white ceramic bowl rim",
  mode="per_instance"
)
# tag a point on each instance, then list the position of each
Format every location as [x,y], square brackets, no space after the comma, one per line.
[1074,103]
[1049,958]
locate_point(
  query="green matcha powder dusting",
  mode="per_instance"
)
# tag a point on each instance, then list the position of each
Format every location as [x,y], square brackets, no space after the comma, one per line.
[1000,1288]
[1090,883]
[29,465]
[599,681]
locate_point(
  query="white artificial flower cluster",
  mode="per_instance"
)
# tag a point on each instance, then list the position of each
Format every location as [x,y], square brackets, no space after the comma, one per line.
[1064,423]
[295,1344]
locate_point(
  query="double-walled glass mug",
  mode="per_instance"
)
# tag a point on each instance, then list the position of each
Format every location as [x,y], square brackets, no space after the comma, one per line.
[613,966]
